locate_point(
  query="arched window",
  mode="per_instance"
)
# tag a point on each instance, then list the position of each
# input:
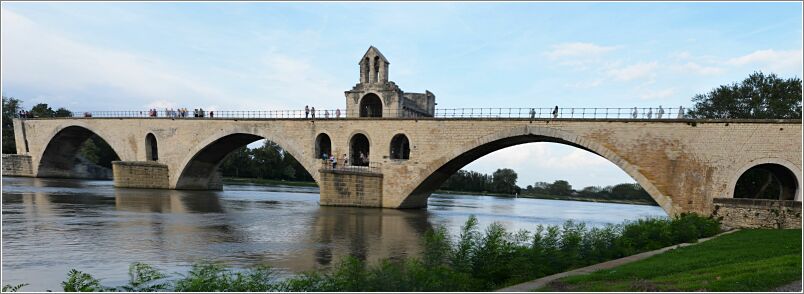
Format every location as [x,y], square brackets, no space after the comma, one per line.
[376,69]
[151,150]
[365,69]
[400,147]
[767,181]
[359,150]
[323,146]
[371,106]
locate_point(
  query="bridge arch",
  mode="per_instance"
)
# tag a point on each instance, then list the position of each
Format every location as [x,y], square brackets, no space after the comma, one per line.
[58,159]
[786,172]
[359,143]
[323,145]
[400,147]
[198,170]
[151,148]
[441,169]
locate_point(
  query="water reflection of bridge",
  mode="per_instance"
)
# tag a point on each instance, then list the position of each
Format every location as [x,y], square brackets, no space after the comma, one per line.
[189,226]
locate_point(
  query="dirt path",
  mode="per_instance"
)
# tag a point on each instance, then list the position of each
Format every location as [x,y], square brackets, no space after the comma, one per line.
[792,287]
[541,282]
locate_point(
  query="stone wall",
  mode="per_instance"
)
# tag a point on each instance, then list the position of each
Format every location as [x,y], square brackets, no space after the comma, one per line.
[140,174]
[16,165]
[758,213]
[350,188]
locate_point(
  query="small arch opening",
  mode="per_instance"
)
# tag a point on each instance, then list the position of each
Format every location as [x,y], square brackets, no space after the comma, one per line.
[376,76]
[371,106]
[151,148]
[400,147]
[359,150]
[365,69]
[767,181]
[323,146]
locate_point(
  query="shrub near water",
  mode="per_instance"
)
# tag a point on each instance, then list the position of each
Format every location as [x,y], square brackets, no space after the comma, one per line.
[476,261]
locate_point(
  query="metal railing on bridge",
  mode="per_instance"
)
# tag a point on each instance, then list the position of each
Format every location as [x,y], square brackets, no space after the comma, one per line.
[366,167]
[458,113]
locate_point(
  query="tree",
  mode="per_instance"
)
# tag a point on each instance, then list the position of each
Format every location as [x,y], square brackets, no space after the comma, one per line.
[62,112]
[759,96]
[560,188]
[238,164]
[97,151]
[11,106]
[42,110]
[504,181]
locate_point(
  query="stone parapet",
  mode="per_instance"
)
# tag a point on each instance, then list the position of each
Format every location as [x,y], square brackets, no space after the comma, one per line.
[140,174]
[16,165]
[758,213]
[350,188]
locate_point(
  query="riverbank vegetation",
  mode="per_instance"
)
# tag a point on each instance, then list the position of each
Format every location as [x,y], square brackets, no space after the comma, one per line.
[748,260]
[474,260]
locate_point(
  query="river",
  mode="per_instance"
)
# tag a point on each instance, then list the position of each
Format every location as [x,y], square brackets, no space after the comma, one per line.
[50,226]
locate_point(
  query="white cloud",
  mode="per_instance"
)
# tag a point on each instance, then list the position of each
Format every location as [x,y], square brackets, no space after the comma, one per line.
[36,57]
[577,50]
[696,68]
[657,94]
[774,60]
[635,71]
[83,76]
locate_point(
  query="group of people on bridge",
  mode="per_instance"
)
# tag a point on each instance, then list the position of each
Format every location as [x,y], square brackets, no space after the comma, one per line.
[330,159]
[310,112]
[181,112]
[634,114]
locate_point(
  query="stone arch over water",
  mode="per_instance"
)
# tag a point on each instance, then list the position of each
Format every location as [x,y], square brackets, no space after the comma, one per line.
[439,170]
[199,171]
[58,160]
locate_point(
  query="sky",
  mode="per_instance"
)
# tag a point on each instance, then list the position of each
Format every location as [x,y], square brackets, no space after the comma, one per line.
[269,55]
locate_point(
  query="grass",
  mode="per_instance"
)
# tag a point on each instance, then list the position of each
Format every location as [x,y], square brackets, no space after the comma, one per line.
[266,182]
[748,260]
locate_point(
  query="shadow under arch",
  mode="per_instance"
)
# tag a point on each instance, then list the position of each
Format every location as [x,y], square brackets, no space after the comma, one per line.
[445,167]
[200,172]
[787,174]
[59,159]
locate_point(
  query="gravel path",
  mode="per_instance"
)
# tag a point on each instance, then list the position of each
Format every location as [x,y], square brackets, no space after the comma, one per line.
[792,287]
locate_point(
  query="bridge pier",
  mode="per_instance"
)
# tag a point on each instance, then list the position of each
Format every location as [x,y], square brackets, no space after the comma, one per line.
[140,174]
[351,187]
[16,165]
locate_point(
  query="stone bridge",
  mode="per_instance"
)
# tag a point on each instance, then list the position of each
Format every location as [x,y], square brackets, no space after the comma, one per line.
[683,164]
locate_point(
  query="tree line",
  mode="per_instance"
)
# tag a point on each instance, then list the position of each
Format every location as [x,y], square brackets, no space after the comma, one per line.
[503,181]
[268,161]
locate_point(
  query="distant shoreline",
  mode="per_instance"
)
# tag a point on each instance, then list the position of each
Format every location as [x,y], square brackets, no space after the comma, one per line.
[552,197]
[267,182]
[270,182]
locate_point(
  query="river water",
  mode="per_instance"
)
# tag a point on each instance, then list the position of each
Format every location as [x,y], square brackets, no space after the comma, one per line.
[50,226]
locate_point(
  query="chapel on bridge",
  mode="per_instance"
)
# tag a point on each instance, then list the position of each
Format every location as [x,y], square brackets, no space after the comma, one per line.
[376,96]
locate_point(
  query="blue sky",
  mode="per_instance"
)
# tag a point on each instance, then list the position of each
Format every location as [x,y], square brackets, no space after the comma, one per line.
[241,56]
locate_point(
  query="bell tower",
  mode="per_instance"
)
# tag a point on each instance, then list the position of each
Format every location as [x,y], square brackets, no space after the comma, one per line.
[373,67]
[376,96]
